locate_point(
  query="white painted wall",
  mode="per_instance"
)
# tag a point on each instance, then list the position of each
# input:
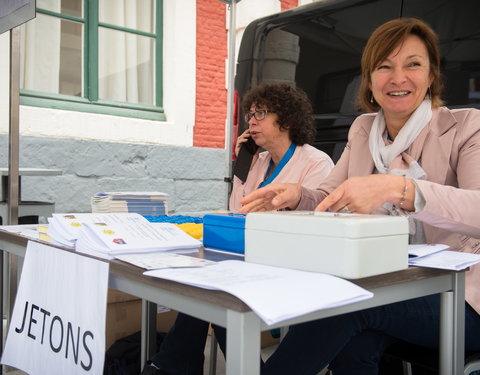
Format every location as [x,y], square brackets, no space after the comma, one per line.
[4,81]
[249,10]
[178,93]
[179,87]
[303,2]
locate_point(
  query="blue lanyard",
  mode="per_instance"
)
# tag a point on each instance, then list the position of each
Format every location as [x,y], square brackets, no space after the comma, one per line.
[288,155]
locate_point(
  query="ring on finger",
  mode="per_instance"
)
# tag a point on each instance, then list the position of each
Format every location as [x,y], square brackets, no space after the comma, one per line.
[345,210]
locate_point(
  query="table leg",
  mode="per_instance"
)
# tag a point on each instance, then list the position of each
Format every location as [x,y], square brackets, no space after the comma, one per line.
[452,327]
[243,343]
[2,305]
[149,331]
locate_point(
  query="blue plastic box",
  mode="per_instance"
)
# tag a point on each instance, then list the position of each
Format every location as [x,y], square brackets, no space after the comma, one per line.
[224,231]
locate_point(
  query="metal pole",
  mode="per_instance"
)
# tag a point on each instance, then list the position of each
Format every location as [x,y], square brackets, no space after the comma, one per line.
[10,267]
[13,147]
[230,92]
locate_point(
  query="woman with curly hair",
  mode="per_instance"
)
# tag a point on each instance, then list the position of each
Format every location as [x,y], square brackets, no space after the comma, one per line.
[280,122]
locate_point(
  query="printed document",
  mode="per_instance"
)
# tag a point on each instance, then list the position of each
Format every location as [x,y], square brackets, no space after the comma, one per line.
[108,234]
[273,293]
[65,228]
[109,239]
[153,261]
[435,256]
[24,230]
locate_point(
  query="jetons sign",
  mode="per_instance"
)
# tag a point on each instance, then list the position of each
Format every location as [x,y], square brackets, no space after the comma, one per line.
[58,322]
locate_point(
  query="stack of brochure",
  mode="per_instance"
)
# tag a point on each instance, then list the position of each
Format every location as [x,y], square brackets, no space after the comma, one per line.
[111,234]
[143,203]
[64,229]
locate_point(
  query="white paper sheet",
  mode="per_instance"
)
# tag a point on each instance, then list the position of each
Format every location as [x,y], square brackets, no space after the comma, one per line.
[420,250]
[152,261]
[447,260]
[435,256]
[274,293]
[65,228]
[107,239]
[29,231]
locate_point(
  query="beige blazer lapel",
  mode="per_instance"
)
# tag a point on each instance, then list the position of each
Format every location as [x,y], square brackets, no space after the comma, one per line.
[361,162]
[437,148]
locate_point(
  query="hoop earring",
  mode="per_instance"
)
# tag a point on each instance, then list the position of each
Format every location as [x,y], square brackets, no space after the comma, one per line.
[371,98]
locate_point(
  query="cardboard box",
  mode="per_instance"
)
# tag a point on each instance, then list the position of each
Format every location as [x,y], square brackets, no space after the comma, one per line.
[115,296]
[165,320]
[266,339]
[125,318]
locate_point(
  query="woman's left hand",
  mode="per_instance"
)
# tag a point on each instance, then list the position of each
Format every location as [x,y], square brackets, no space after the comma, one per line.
[363,194]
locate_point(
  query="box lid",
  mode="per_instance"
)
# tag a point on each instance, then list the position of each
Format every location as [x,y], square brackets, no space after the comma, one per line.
[327,224]
[226,219]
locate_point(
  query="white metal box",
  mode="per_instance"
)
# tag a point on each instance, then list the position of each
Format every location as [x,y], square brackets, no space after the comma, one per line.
[347,245]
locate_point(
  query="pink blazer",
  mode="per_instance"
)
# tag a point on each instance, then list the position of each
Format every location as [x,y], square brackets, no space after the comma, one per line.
[308,166]
[448,149]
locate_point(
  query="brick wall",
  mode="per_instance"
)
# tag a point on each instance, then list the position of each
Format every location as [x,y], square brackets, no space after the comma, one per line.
[211,94]
[211,52]
[287,4]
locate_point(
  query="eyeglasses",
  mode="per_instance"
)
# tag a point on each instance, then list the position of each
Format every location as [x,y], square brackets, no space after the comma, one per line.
[258,114]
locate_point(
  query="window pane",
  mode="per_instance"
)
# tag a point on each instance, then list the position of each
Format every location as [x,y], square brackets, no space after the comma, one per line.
[126,67]
[133,14]
[52,56]
[474,92]
[68,7]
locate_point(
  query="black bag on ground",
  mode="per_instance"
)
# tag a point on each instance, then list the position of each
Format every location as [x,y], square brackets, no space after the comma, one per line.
[123,357]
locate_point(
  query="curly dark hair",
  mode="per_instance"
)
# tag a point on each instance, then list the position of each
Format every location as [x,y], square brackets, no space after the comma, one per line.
[290,104]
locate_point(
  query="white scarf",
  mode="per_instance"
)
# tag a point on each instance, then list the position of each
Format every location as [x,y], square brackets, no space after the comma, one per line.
[383,154]
[391,158]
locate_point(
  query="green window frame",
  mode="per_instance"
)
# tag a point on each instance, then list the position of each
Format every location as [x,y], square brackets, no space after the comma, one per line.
[90,101]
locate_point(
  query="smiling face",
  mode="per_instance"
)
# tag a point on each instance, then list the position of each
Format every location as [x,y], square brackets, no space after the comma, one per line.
[400,82]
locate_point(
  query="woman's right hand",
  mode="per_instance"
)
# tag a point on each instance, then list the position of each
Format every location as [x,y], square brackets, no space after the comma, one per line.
[272,197]
[241,139]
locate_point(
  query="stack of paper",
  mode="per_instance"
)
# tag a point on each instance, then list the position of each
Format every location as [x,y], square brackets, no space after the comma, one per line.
[143,203]
[111,234]
[154,261]
[64,229]
[275,294]
[436,256]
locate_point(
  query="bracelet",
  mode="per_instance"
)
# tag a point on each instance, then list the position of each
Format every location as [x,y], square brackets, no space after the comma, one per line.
[404,192]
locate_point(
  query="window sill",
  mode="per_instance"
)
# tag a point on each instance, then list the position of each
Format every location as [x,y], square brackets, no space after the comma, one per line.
[82,105]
